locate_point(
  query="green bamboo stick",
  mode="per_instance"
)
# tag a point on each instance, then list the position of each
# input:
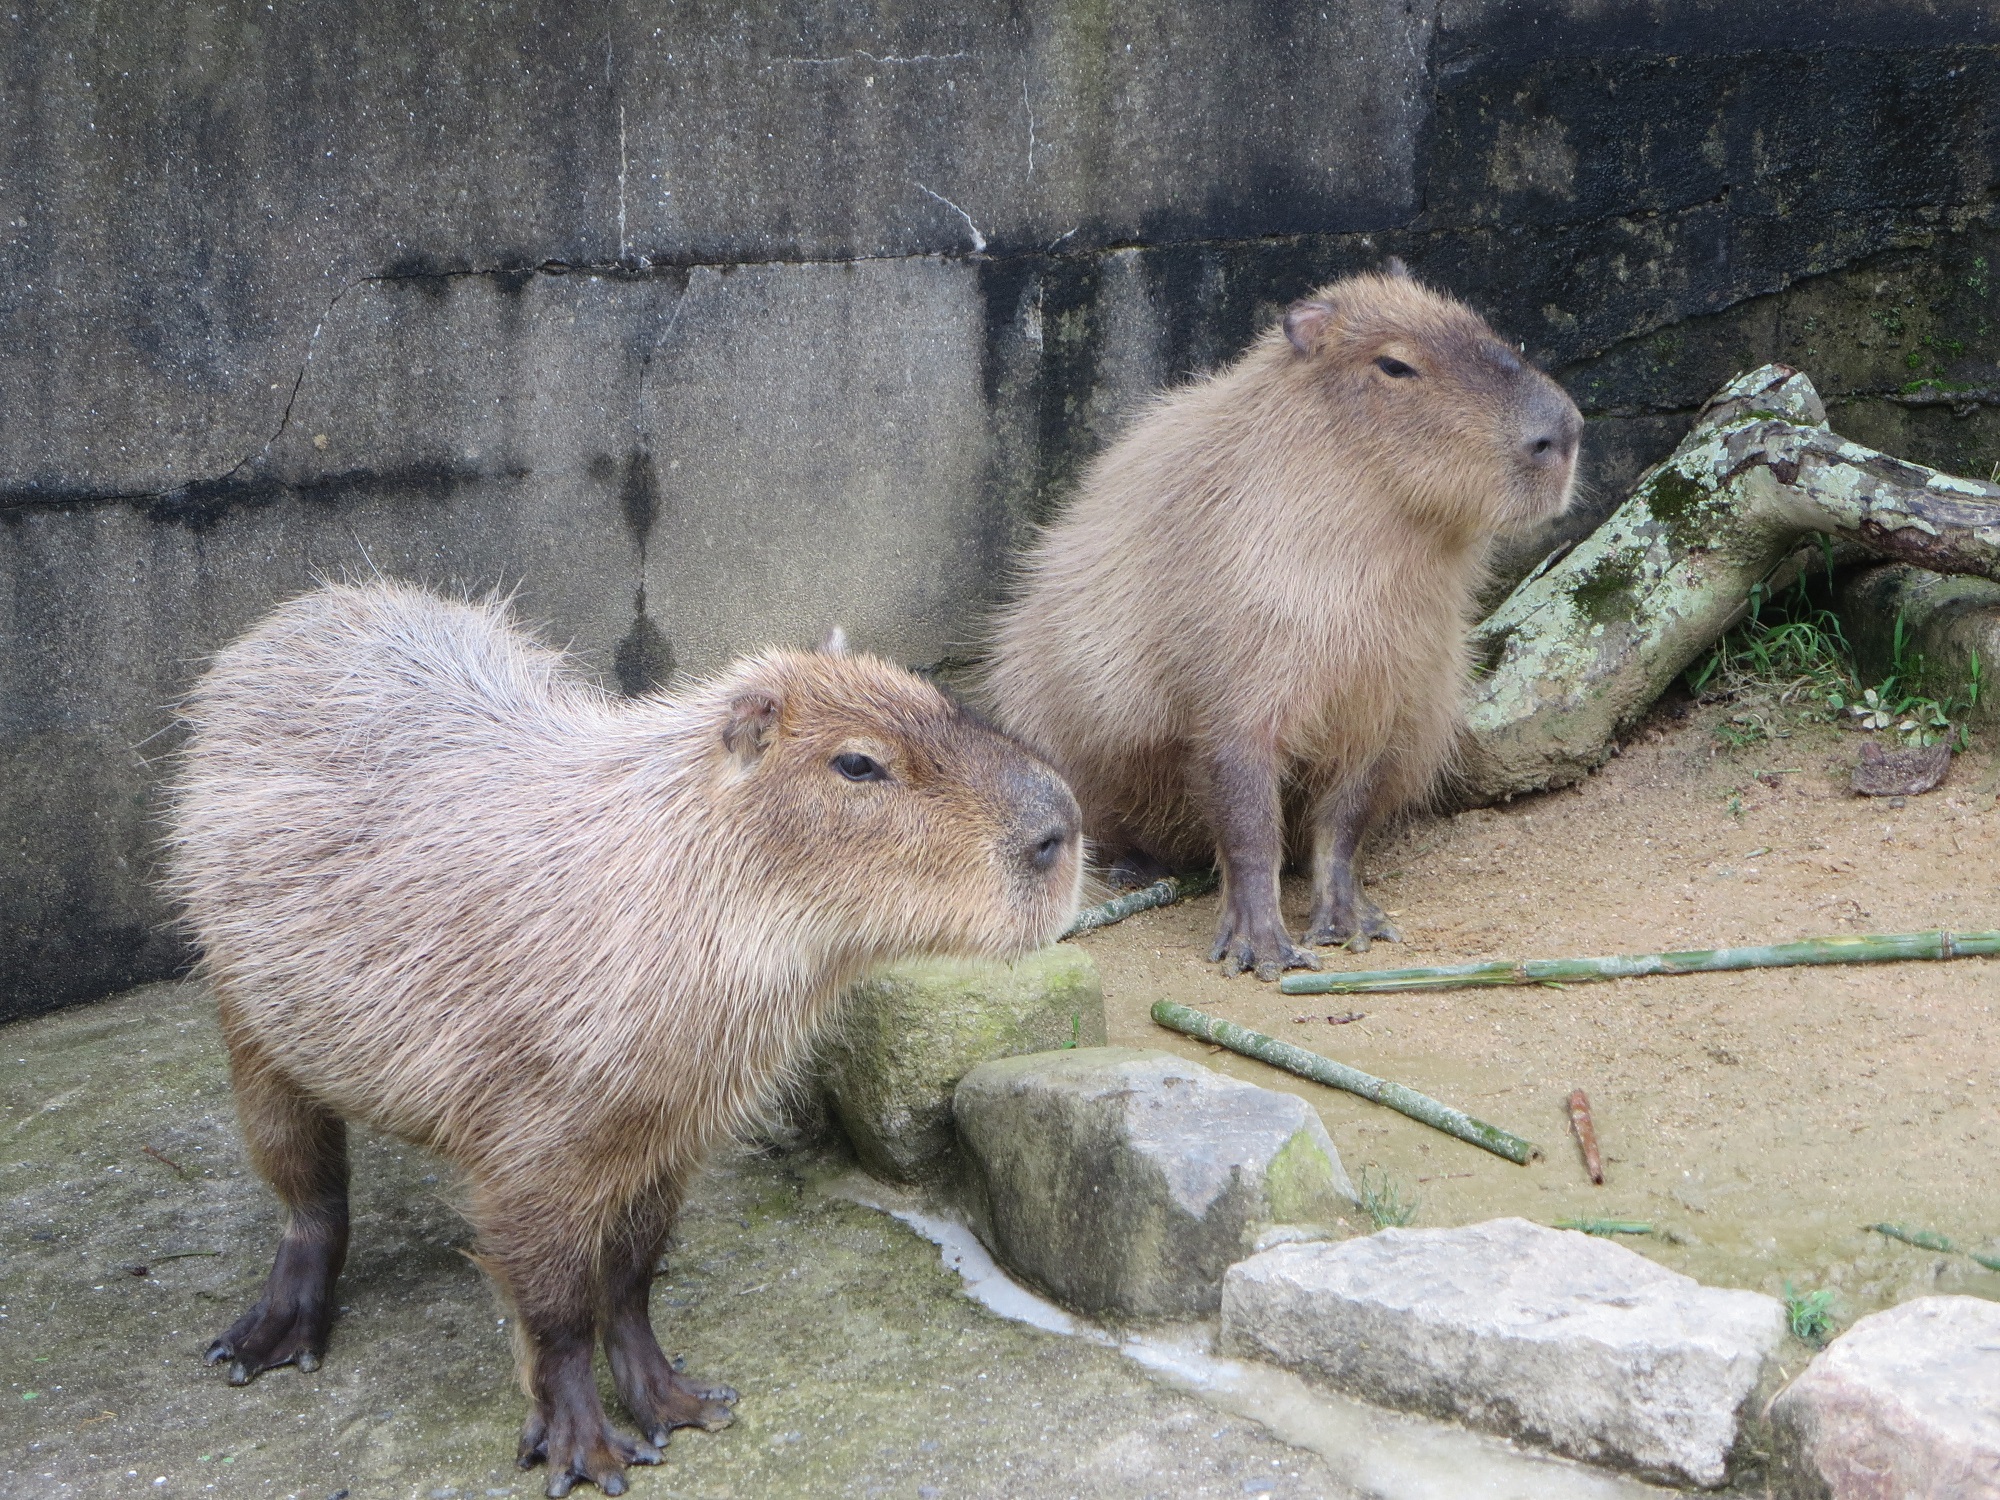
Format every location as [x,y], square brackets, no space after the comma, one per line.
[1159,893]
[1884,948]
[1930,1239]
[1268,1049]
[1605,1227]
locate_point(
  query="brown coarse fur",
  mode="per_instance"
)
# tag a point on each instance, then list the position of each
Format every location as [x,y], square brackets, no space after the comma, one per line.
[1254,612]
[446,886]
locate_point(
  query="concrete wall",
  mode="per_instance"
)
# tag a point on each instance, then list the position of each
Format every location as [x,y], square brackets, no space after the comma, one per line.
[703,328]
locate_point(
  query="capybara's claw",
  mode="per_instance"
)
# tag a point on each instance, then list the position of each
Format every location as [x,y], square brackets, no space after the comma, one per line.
[1354,931]
[598,1459]
[263,1339]
[1268,959]
[663,1399]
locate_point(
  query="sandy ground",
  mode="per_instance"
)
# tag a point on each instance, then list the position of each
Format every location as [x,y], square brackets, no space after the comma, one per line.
[1759,1120]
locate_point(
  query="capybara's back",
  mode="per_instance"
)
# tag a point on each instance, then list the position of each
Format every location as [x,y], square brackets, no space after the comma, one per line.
[1258,598]
[445,885]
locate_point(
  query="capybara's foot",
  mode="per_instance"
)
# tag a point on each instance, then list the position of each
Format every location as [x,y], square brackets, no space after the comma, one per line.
[577,1443]
[660,1399]
[1262,947]
[1356,926]
[277,1331]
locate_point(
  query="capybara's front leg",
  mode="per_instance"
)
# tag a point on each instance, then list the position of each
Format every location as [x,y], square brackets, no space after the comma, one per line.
[301,1150]
[1342,911]
[548,1275]
[654,1392]
[1250,836]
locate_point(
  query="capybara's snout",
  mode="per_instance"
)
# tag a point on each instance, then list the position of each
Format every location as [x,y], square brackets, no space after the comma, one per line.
[1554,428]
[1038,845]
[1046,824]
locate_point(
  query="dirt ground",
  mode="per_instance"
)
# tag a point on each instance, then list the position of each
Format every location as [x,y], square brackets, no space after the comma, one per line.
[1759,1120]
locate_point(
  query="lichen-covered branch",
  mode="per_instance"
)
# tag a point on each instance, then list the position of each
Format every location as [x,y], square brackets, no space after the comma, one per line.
[1581,648]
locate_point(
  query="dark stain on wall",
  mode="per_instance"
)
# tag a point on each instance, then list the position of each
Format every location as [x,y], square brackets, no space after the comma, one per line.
[644,660]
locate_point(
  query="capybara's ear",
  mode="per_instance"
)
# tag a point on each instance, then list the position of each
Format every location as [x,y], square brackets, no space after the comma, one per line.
[835,643]
[753,715]
[1394,266]
[1304,322]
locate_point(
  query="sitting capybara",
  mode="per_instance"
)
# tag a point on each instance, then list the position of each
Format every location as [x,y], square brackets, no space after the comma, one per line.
[1254,612]
[445,886]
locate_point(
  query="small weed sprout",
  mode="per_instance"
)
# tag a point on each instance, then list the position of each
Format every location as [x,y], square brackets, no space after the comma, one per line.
[1383,1201]
[1810,1314]
[1790,660]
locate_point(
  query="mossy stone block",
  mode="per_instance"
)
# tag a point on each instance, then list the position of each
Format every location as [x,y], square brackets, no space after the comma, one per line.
[1125,1183]
[906,1035]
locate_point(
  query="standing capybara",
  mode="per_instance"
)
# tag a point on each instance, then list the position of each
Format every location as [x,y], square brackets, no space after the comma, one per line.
[1257,604]
[448,888]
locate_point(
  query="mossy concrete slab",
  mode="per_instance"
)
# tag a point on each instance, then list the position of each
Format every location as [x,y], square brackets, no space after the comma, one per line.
[1126,1182]
[863,1369]
[907,1035]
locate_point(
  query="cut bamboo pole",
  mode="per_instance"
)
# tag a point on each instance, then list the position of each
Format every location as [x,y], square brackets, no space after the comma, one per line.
[1881,948]
[1159,893]
[1930,1239]
[1338,1075]
[1605,1227]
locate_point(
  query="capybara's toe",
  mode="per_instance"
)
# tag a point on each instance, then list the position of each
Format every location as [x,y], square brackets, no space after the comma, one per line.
[265,1338]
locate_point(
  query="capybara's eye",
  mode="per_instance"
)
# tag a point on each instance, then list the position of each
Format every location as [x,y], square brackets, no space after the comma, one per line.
[858,767]
[1394,368]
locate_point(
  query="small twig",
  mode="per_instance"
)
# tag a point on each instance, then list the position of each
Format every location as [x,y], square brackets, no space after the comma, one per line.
[1445,1177]
[167,1161]
[1586,1135]
[1351,1016]
[158,1260]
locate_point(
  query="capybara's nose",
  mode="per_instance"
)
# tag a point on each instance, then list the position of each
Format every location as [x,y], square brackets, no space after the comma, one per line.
[1554,434]
[1046,815]
[1044,853]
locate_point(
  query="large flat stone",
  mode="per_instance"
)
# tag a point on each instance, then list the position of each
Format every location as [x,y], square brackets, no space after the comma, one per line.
[1124,1182]
[1903,1406]
[1555,1338]
[907,1035]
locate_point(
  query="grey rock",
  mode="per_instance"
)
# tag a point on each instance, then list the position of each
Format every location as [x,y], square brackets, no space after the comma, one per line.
[907,1035]
[1552,1337]
[1124,1182]
[1903,1406]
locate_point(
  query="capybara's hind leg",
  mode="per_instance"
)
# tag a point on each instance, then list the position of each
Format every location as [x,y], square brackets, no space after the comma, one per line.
[659,1397]
[546,1265]
[301,1150]
[1342,911]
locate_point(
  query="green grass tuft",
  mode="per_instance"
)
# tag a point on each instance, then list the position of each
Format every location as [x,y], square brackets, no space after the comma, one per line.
[1790,661]
[1383,1201]
[1810,1314]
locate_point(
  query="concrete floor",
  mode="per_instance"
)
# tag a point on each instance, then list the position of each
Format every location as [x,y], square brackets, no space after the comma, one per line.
[863,1369]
